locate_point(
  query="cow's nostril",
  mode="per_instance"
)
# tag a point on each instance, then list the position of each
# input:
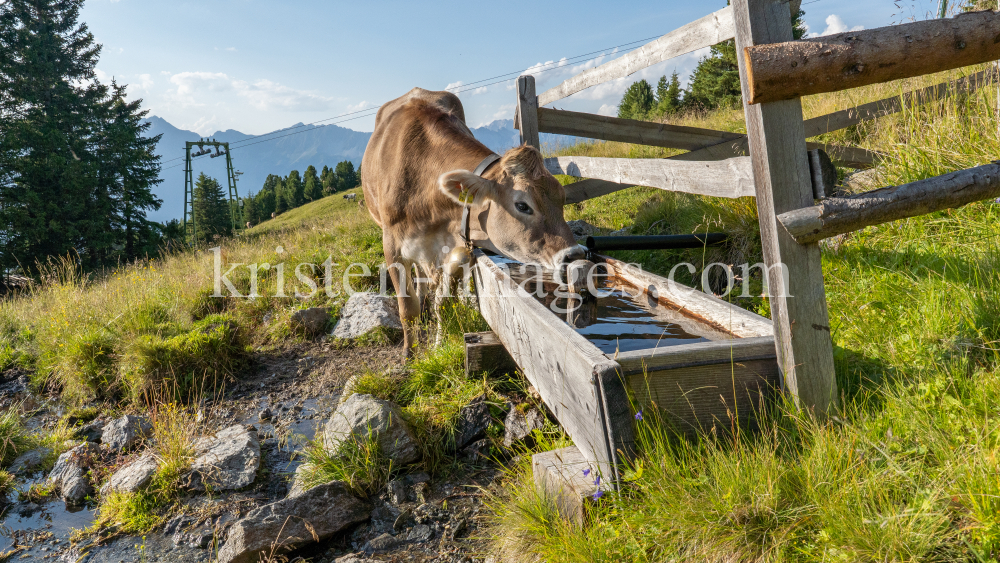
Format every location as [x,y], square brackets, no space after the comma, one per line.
[573,254]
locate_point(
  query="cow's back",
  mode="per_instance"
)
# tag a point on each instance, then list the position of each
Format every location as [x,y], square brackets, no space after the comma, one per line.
[416,138]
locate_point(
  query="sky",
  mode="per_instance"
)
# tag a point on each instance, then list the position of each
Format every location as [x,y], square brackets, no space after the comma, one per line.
[261,65]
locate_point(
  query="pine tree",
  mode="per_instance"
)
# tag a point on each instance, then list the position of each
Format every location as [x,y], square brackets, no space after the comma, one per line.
[638,101]
[294,190]
[313,188]
[211,210]
[668,95]
[325,178]
[347,178]
[250,212]
[280,198]
[50,105]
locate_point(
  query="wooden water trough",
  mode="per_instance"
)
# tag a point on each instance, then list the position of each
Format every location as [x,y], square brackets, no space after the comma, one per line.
[716,383]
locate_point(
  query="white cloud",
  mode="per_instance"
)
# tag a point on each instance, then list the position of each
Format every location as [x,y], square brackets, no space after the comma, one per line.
[204,126]
[454,85]
[102,77]
[363,104]
[480,90]
[835,24]
[608,109]
[231,49]
[199,89]
[145,83]
[121,50]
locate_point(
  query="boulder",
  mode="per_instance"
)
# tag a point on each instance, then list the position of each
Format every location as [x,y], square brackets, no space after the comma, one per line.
[91,432]
[583,229]
[315,515]
[473,420]
[365,312]
[360,415]
[383,543]
[420,532]
[519,425]
[226,462]
[69,476]
[30,461]
[297,485]
[312,320]
[125,432]
[133,477]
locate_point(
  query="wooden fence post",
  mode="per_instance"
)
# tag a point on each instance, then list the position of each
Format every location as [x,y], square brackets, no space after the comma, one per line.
[781,175]
[527,110]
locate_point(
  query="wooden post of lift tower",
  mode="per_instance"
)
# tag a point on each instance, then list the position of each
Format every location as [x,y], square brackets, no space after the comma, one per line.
[781,176]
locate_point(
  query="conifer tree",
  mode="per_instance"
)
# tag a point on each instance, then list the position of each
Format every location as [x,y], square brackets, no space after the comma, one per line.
[294,190]
[313,188]
[211,210]
[49,113]
[346,177]
[280,199]
[668,94]
[638,101]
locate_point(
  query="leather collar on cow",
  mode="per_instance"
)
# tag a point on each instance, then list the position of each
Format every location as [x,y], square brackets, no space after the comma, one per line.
[479,171]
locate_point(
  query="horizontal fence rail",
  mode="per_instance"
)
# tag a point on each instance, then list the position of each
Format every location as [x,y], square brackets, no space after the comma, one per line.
[709,30]
[840,215]
[722,178]
[629,130]
[793,69]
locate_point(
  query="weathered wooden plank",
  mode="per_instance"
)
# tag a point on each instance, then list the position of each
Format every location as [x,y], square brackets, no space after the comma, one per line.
[705,309]
[709,30]
[590,188]
[854,157]
[485,353]
[649,133]
[781,171]
[565,368]
[527,111]
[835,216]
[873,110]
[792,69]
[559,476]
[698,354]
[726,178]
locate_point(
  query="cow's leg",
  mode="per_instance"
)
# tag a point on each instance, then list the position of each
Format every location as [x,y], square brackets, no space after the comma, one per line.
[401,273]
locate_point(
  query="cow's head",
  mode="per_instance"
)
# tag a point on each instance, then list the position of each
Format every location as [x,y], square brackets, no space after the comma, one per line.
[525,209]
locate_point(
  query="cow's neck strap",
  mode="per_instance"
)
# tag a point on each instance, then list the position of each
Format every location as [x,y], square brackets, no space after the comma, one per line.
[466,208]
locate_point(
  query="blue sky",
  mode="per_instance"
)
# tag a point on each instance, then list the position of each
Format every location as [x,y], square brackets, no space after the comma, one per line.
[258,65]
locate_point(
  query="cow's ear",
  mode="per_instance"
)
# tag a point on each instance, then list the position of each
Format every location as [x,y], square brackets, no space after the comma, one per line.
[463,186]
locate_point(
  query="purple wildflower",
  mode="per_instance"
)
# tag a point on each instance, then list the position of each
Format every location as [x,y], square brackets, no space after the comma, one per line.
[638,415]
[586,472]
[598,494]
[598,480]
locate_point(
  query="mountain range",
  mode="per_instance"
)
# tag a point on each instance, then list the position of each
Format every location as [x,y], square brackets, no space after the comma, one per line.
[284,150]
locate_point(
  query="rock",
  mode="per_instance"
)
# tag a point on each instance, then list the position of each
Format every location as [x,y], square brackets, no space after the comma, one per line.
[91,432]
[328,509]
[420,532]
[360,415]
[383,543]
[297,485]
[312,320]
[478,450]
[365,312]
[397,491]
[349,558]
[125,432]
[177,523]
[582,228]
[473,420]
[133,477]
[421,491]
[265,415]
[69,476]
[621,232]
[519,426]
[227,462]
[30,461]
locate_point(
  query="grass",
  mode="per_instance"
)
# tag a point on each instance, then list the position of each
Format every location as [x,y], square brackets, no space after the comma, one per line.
[907,470]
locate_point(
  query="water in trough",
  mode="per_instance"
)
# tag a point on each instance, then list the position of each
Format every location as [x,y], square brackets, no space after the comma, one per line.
[614,321]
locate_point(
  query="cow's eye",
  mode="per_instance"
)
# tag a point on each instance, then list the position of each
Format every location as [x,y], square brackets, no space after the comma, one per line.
[523,208]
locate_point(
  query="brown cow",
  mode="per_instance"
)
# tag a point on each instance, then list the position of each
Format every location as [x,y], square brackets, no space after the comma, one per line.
[415,168]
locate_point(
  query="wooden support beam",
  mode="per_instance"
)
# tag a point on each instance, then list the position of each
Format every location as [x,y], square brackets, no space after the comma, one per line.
[853,157]
[723,178]
[781,173]
[484,353]
[873,110]
[590,188]
[835,216]
[527,111]
[649,133]
[709,30]
[792,69]
[559,477]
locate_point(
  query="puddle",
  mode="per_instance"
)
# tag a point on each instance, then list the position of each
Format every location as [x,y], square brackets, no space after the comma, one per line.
[293,428]
[612,321]
[46,527]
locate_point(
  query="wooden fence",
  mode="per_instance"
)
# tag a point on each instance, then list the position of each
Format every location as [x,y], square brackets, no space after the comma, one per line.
[772,162]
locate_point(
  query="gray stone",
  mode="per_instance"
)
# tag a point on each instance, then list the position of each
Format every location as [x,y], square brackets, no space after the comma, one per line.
[312,320]
[518,426]
[228,461]
[397,491]
[349,558]
[30,461]
[420,532]
[125,432]
[360,415]
[383,543]
[473,420]
[621,232]
[478,450]
[69,476]
[327,509]
[365,312]
[582,228]
[297,485]
[133,477]
[91,432]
